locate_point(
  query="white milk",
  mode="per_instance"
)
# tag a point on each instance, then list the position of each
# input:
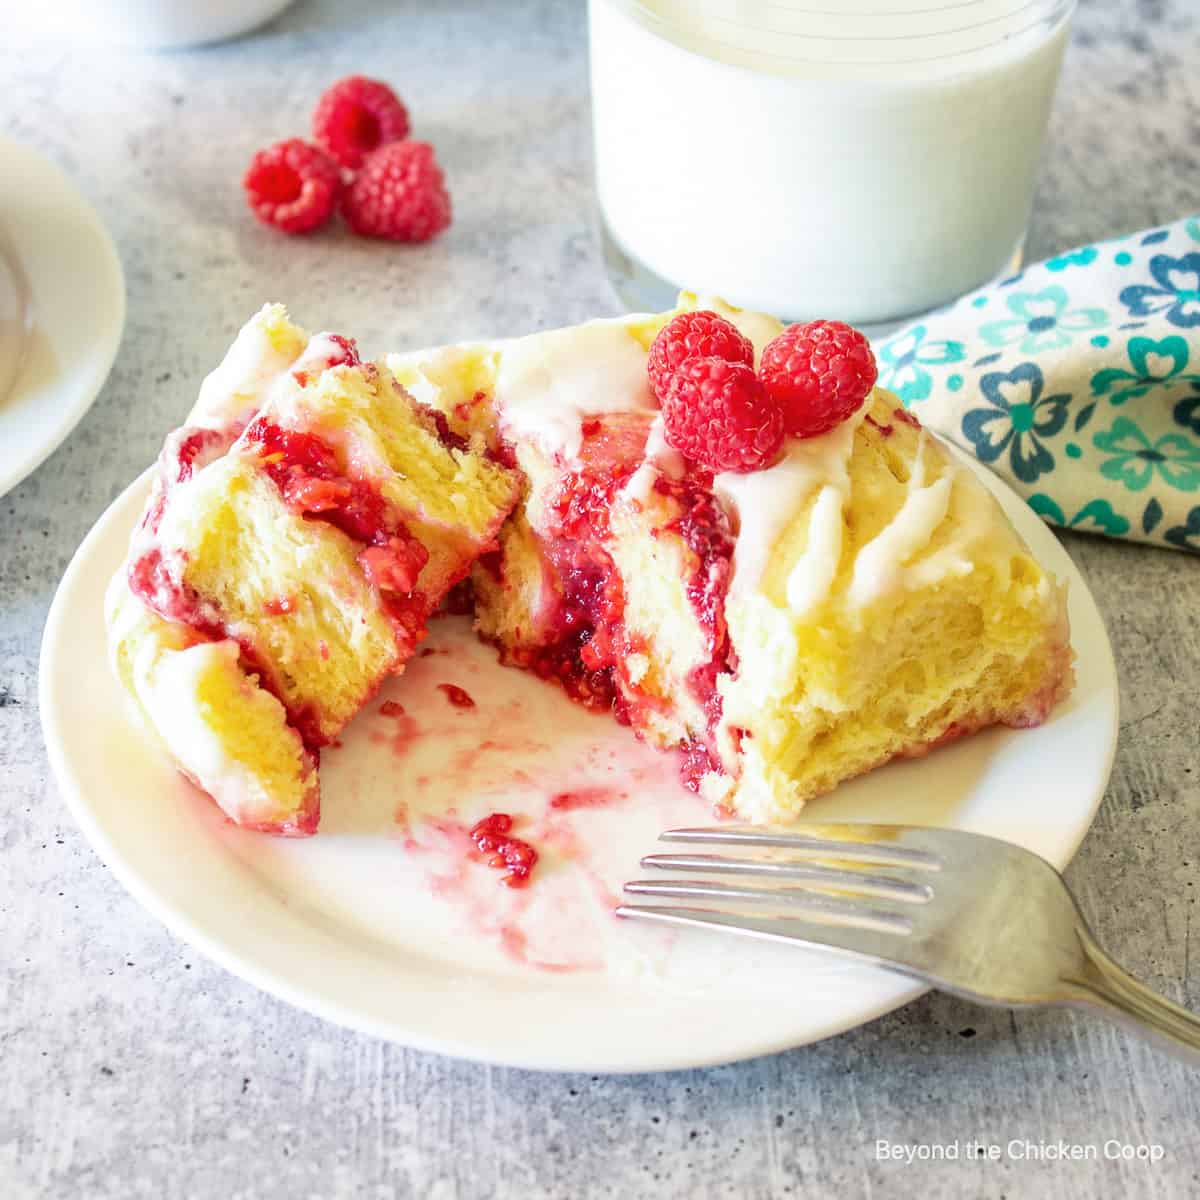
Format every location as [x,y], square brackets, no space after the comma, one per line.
[866,166]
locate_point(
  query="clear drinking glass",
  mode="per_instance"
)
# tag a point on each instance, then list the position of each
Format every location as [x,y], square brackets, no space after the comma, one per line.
[867,160]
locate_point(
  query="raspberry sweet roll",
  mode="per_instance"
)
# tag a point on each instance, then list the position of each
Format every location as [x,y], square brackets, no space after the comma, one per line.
[788,606]
[303,526]
[718,530]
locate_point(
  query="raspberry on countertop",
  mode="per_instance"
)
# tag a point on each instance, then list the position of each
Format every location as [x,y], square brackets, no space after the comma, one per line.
[357,115]
[292,186]
[399,194]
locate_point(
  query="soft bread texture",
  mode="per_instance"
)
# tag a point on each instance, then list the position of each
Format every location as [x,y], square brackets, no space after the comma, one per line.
[514,593]
[958,630]
[223,730]
[882,602]
[289,587]
[452,499]
[654,569]
[877,601]
[259,624]
[265,347]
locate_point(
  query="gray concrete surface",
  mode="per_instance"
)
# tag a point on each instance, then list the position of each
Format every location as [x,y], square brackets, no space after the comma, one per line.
[129,1067]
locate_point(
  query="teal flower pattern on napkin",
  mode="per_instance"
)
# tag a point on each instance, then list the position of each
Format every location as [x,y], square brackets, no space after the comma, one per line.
[1083,257]
[1153,363]
[1078,381]
[903,362]
[1042,321]
[1016,419]
[1175,292]
[1187,535]
[1135,458]
[1096,515]
[1187,411]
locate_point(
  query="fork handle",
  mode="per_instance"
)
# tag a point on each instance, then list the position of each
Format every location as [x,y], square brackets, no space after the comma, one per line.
[1111,991]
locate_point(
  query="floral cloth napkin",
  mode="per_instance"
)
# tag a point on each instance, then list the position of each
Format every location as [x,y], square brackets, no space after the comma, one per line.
[1078,381]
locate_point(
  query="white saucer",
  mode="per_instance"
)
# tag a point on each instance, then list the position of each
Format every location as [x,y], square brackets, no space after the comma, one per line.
[77,294]
[383,926]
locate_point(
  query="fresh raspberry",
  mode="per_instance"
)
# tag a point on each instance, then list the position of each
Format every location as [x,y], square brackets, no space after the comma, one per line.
[818,374]
[355,116]
[694,335]
[399,194]
[718,415]
[293,186]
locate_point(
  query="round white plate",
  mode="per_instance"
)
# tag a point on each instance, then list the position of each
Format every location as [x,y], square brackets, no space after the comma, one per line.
[147,24]
[78,308]
[382,924]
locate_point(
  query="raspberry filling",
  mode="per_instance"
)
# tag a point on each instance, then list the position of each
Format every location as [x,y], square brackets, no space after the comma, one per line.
[306,471]
[151,581]
[590,646]
[458,697]
[491,838]
[446,435]
[588,650]
[198,447]
[584,798]
[704,527]
[186,452]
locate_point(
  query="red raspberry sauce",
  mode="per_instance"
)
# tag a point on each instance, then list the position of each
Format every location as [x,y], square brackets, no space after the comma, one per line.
[457,696]
[588,651]
[590,644]
[308,476]
[587,797]
[491,837]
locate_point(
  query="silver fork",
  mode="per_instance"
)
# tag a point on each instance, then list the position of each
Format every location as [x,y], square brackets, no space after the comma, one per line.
[974,916]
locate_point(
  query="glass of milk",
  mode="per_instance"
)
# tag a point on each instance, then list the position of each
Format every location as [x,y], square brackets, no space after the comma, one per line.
[868,160]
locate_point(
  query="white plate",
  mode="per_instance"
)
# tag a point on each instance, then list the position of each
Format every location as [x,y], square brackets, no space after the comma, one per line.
[146,24]
[398,935]
[78,294]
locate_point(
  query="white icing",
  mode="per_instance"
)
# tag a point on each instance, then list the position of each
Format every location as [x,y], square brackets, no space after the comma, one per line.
[170,691]
[234,391]
[549,383]
[168,686]
[664,456]
[253,373]
[812,577]
[166,681]
[660,459]
[880,563]
[122,613]
[759,327]
[766,502]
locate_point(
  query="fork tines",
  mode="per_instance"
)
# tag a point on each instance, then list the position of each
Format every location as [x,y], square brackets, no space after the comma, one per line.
[830,875]
[841,841]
